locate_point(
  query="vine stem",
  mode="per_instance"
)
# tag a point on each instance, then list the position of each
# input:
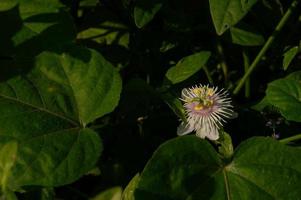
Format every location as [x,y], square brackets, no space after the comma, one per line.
[266,46]
[207,72]
[97,126]
[223,63]
[227,185]
[246,67]
[290,139]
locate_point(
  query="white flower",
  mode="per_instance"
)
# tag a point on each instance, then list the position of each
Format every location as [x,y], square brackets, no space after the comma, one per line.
[206,109]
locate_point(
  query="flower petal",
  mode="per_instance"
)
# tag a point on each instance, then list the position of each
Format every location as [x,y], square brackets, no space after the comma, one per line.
[184,129]
[207,108]
[233,115]
[211,132]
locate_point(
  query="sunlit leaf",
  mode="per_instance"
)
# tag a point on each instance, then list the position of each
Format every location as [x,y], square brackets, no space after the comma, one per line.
[7,4]
[128,193]
[8,155]
[107,33]
[145,11]
[187,66]
[84,78]
[47,110]
[109,194]
[227,13]
[289,56]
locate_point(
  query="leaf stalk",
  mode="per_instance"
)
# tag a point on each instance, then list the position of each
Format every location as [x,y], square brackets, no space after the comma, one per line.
[290,139]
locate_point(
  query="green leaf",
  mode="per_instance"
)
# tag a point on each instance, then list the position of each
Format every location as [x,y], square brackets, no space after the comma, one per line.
[88,3]
[294,76]
[37,25]
[107,33]
[145,11]
[245,37]
[166,46]
[285,94]
[187,66]
[7,4]
[128,193]
[47,194]
[85,78]
[275,163]
[30,8]
[9,196]
[46,112]
[262,104]
[189,168]
[227,13]
[176,167]
[8,154]
[289,56]
[109,194]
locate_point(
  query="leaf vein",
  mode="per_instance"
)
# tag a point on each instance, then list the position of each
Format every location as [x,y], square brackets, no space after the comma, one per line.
[38,108]
[38,91]
[253,183]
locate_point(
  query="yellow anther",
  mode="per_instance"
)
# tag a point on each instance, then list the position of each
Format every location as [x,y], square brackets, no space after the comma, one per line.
[198,107]
[197,91]
[210,92]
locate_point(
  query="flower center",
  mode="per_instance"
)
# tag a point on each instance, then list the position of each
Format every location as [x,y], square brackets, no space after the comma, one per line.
[202,104]
[198,107]
[203,98]
[198,91]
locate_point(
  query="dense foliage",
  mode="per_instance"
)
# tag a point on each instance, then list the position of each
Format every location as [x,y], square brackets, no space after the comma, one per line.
[90,99]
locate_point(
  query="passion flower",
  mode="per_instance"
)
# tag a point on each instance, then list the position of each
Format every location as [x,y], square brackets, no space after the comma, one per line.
[207,108]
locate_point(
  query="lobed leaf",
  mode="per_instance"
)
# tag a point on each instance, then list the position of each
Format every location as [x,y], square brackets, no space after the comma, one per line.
[46,112]
[189,168]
